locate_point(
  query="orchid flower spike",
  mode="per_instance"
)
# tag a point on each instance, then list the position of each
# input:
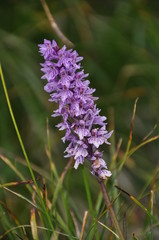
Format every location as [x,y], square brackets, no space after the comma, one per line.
[85,128]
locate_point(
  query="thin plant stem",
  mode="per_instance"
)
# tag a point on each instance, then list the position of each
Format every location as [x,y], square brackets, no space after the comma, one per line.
[89,198]
[126,155]
[83,224]
[48,151]
[112,213]
[23,148]
[90,203]
[54,25]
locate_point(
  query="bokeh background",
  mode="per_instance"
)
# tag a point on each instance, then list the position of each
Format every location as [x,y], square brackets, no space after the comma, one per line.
[120,44]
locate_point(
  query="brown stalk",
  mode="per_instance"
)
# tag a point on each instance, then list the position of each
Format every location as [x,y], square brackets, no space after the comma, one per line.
[66,169]
[155,126]
[54,25]
[132,122]
[116,152]
[75,223]
[83,224]
[112,213]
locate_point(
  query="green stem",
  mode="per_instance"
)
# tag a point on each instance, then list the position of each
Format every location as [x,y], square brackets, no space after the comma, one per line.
[89,198]
[112,213]
[23,148]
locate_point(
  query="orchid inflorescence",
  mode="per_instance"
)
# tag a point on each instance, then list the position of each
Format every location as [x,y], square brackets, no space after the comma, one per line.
[85,129]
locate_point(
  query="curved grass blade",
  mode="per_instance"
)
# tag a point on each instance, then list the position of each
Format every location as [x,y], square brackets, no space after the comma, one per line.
[37,169]
[139,204]
[130,138]
[12,216]
[22,197]
[10,212]
[13,184]
[18,173]
[146,137]
[18,236]
[9,163]
[54,25]
[134,149]
[110,230]
[38,227]
[23,149]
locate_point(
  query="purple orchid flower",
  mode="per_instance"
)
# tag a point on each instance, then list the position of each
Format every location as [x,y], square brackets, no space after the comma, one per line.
[85,129]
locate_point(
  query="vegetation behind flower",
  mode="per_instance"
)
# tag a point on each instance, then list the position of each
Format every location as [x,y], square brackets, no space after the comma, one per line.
[120,44]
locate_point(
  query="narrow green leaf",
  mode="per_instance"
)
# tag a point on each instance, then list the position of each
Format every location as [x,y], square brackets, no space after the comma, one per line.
[49,221]
[108,229]
[134,149]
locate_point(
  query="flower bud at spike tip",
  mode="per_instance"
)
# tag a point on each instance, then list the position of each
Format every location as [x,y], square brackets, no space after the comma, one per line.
[85,129]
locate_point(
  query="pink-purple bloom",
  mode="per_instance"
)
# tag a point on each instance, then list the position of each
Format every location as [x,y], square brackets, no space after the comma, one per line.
[85,129]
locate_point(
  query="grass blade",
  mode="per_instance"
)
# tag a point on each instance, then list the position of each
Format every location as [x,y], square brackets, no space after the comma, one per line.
[139,204]
[130,138]
[134,149]
[22,197]
[33,225]
[38,227]
[110,230]
[23,148]
[83,224]
[89,198]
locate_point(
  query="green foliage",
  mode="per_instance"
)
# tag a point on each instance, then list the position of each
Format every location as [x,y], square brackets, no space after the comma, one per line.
[39,198]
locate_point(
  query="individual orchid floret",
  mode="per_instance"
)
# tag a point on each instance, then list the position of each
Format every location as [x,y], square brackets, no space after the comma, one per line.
[85,129]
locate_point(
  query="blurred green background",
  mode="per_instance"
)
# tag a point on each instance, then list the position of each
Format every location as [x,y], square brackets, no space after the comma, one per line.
[120,44]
